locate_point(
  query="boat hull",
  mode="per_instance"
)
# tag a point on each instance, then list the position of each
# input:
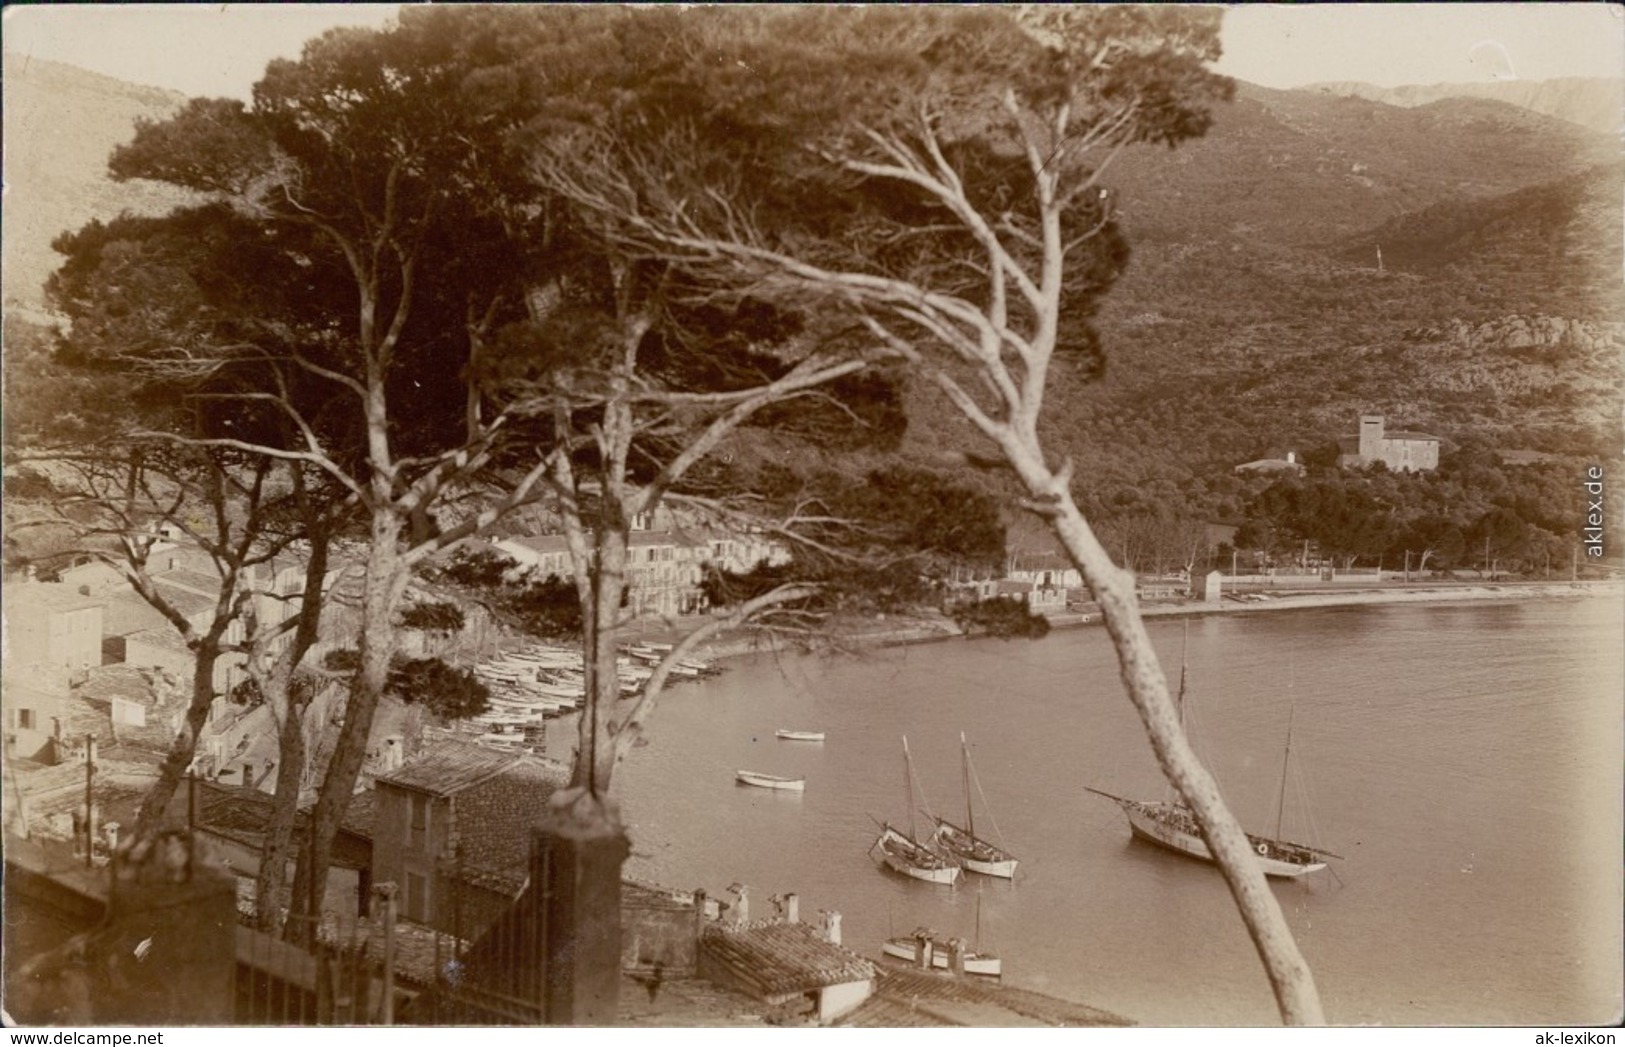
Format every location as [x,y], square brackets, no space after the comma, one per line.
[770,781]
[1162,824]
[942,958]
[977,856]
[903,855]
[800,736]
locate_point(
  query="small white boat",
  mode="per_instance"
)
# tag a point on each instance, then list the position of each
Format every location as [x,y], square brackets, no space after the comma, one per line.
[799,736]
[771,781]
[940,954]
[904,854]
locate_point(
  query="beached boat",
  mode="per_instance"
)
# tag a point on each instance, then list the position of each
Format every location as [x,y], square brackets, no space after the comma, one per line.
[1170,824]
[904,852]
[972,851]
[799,736]
[940,953]
[771,781]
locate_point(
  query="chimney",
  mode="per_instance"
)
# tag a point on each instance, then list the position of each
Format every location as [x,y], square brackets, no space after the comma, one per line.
[792,908]
[699,912]
[832,926]
[393,753]
[1291,457]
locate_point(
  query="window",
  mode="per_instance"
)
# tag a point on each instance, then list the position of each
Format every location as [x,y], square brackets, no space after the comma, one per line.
[420,821]
[25,719]
[417,897]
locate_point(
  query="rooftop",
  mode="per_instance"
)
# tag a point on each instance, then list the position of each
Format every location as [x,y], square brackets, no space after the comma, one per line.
[908,998]
[149,687]
[49,596]
[773,957]
[197,582]
[451,765]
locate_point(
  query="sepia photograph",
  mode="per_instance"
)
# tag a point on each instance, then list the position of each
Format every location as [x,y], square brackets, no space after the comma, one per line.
[751,516]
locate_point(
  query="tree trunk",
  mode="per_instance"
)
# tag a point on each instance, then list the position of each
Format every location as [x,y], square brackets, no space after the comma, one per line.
[595,760]
[1113,589]
[184,748]
[277,850]
[285,696]
[385,581]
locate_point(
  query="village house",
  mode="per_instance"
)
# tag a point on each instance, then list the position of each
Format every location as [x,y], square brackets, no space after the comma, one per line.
[53,631]
[33,717]
[786,962]
[1400,451]
[452,830]
[665,569]
[1285,466]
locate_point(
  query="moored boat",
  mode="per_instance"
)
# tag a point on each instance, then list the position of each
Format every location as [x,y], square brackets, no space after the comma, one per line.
[971,851]
[799,736]
[905,852]
[1171,824]
[771,781]
[940,953]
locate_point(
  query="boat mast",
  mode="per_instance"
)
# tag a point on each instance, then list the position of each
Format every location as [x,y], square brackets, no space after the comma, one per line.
[1286,758]
[964,770]
[1184,646]
[908,784]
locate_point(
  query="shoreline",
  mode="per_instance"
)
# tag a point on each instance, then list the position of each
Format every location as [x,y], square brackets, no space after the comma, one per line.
[933,630]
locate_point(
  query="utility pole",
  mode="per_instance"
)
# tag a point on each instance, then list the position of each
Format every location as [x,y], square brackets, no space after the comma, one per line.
[1487,557]
[1407,567]
[90,777]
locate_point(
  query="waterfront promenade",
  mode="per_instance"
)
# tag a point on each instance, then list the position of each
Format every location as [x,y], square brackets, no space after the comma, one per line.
[1297,596]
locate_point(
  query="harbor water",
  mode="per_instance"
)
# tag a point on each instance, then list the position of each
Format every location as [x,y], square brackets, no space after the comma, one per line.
[1464,760]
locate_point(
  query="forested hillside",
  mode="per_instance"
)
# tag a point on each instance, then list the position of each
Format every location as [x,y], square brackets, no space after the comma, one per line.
[1254,319]
[1254,316]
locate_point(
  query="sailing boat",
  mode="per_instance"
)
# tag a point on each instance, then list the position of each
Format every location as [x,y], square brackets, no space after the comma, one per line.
[973,852]
[1171,824]
[905,853]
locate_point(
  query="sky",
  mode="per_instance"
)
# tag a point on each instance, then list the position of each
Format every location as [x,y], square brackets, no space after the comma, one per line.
[221,49]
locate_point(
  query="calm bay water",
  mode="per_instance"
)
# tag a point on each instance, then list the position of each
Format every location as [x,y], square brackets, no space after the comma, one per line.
[1464,759]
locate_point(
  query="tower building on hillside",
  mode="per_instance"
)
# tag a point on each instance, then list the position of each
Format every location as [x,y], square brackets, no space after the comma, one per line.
[1401,451]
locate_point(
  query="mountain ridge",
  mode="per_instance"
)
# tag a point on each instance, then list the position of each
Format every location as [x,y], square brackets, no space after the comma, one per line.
[1597,103]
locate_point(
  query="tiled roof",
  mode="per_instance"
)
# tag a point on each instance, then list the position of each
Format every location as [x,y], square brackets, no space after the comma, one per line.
[193,581]
[641,539]
[360,814]
[905,997]
[106,682]
[449,767]
[127,613]
[773,957]
[51,596]
[163,636]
